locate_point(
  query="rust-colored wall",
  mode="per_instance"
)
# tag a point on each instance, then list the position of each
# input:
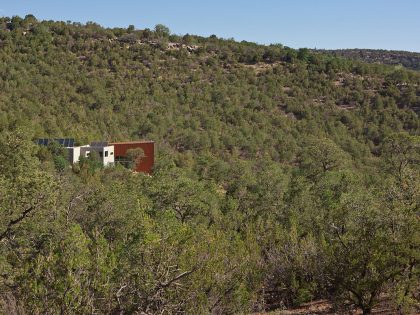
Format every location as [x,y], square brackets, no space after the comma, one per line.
[146,164]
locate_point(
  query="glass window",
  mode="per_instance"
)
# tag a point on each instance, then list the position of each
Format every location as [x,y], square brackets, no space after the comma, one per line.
[106,153]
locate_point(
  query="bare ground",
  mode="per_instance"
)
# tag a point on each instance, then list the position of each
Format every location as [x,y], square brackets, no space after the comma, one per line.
[324,307]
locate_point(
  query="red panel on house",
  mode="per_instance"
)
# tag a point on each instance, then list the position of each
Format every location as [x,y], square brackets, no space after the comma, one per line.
[146,163]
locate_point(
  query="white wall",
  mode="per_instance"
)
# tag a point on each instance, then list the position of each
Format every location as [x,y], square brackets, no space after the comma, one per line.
[108,155]
[74,154]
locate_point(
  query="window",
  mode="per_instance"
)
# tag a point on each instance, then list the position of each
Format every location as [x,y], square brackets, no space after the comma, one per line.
[122,160]
[106,153]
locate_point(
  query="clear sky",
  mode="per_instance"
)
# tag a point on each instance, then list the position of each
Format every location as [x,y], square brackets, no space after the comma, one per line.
[386,24]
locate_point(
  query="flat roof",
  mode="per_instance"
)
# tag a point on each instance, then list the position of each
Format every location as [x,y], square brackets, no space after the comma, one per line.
[132,142]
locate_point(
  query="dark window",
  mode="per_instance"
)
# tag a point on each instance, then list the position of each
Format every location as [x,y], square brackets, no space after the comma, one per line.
[122,160]
[106,153]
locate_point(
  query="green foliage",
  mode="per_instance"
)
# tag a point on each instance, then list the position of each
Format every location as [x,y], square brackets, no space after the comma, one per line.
[162,30]
[88,166]
[281,175]
[134,156]
[321,155]
[60,163]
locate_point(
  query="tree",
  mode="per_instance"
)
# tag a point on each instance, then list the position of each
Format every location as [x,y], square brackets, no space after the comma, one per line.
[89,165]
[134,156]
[60,163]
[162,30]
[27,195]
[401,152]
[25,190]
[303,54]
[370,246]
[130,28]
[321,155]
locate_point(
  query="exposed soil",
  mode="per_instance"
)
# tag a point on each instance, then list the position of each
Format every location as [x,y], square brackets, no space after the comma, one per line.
[324,307]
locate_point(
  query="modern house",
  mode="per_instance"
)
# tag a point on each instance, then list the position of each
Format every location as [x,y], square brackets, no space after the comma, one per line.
[109,153]
[105,152]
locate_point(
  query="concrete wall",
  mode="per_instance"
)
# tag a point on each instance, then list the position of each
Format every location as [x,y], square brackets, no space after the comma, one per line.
[74,153]
[106,154]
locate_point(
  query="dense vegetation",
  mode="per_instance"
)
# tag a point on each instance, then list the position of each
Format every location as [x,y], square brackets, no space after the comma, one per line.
[282,176]
[410,60]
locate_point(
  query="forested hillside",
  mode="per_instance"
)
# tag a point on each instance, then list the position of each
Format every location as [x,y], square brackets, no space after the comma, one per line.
[409,60]
[282,176]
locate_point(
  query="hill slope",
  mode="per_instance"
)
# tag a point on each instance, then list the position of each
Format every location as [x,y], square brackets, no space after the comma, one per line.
[282,176]
[409,60]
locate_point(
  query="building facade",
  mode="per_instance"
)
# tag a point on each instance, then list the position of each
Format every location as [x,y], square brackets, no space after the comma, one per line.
[146,163]
[109,153]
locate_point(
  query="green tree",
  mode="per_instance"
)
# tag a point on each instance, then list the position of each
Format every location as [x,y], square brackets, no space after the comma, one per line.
[321,155]
[368,249]
[27,195]
[401,152]
[162,30]
[134,156]
[25,189]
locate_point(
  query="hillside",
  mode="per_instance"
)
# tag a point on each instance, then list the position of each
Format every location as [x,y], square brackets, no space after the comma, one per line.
[409,60]
[282,176]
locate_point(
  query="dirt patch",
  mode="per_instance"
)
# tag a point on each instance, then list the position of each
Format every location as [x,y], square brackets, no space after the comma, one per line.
[316,307]
[324,307]
[261,66]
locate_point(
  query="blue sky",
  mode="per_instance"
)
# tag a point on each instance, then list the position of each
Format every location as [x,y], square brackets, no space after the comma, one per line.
[386,24]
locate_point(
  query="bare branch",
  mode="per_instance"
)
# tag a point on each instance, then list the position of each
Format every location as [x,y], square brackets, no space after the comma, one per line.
[22,216]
